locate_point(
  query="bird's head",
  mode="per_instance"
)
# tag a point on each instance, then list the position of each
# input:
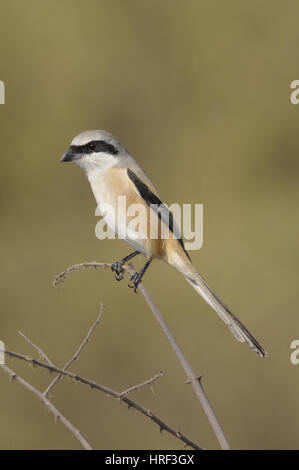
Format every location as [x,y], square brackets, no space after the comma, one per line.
[96,150]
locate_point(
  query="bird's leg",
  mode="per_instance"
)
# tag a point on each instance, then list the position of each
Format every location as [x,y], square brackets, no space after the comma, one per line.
[117,266]
[137,277]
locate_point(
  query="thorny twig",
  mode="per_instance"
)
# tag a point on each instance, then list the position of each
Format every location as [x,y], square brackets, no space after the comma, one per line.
[57,414]
[137,387]
[196,384]
[76,355]
[40,352]
[131,404]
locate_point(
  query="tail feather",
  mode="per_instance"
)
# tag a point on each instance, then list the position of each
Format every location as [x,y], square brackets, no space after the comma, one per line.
[236,327]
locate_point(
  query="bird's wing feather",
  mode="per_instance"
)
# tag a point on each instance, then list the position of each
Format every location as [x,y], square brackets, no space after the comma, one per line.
[152,199]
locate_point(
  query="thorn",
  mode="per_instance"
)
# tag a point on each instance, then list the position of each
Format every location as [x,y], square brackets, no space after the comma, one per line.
[196,378]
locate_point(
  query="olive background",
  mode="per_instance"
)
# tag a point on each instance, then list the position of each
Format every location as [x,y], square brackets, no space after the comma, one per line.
[199,92]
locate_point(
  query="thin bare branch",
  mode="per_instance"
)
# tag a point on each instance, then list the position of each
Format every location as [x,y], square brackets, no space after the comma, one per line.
[60,278]
[147,382]
[40,351]
[57,414]
[131,404]
[197,386]
[77,353]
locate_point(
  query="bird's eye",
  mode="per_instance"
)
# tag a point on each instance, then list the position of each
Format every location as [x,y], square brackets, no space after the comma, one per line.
[92,145]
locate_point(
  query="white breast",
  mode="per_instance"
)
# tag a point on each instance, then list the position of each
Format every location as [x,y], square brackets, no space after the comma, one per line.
[113,208]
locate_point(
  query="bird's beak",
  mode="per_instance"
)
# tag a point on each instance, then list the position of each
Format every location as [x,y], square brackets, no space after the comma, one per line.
[70,156]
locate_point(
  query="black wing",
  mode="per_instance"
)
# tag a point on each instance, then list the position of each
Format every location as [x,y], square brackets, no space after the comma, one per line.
[157,205]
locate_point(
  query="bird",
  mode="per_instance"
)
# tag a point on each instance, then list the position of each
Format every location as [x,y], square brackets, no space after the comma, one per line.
[112,172]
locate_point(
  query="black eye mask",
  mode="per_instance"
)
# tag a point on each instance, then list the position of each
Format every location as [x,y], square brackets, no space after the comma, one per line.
[94,146]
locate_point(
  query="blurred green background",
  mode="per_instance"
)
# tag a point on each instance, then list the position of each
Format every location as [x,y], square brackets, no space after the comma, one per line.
[199,92]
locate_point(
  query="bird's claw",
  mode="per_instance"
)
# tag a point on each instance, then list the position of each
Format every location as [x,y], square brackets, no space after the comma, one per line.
[135,280]
[117,268]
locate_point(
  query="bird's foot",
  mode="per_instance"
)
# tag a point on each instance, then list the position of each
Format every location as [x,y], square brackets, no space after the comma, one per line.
[118,269]
[135,280]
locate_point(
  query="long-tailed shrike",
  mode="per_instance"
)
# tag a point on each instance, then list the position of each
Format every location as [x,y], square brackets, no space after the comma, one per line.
[113,172]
